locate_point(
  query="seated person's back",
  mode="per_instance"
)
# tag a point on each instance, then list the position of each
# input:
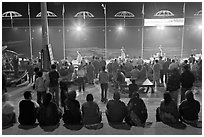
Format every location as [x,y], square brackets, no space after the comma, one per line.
[168,110]
[189,108]
[116,109]
[72,113]
[137,111]
[90,111]
[27,110]
[8,114]
[49,113]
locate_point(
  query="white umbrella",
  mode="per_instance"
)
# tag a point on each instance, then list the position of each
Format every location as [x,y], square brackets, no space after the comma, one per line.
[11,14]
[84,14]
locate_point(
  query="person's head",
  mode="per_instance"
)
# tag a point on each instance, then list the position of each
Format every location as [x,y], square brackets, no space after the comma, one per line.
[116,96]
[72,95]
[47,98]
[27,95]
[133,81]
[53,66]
[167,98]
[89,98]
[186,61]
[185,67]
[189,95]
[173,61]
[135,95]
[40,74]
[160,57]
[103,68]
[156,61]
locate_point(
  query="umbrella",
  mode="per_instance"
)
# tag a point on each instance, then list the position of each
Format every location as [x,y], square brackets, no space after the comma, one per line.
[11,14]
[49,14]
[84,14]
[164,13]
[124,14]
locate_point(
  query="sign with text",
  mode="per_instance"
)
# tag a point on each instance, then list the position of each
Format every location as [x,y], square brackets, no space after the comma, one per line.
[164,22]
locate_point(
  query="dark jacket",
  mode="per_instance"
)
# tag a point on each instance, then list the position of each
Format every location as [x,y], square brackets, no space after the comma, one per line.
[72,114]
[116,110]
[189,109]
[187,79]
[27,112]
[173,82]
[49,114]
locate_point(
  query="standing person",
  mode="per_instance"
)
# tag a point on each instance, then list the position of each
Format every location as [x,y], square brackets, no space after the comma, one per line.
[30,71]
[156,73]
[133,88]
[40,87]
[173,84]
[187,79]
[91,113]
[116,110]
[28,110]
[161,63]
[103,80]
[166,68]
[54,84]
[49,113]
[81,73]
[96,64]
[90,73]
[102,63]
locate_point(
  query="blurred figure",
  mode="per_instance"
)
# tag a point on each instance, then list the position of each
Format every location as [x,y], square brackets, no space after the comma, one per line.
[187,79]
[156,73]
[90,73]
[54,83]
[103,79]
[40,87]
[173,84]
[8,114]
[133,88]
[91,114]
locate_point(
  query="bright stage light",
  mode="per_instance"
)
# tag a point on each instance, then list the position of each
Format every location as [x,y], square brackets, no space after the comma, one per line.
[200,27]
[120,28]
[160,27]
[78,28]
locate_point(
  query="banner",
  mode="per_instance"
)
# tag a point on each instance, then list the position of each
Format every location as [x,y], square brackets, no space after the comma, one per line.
[164,22]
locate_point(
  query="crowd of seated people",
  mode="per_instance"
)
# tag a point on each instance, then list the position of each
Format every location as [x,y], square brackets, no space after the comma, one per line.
[134,113]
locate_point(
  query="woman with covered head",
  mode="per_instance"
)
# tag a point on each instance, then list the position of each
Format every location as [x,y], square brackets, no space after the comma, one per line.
[168,111]
[137,111]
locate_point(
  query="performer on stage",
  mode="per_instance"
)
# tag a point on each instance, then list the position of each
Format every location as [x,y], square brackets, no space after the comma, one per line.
[122,53]
[160,50]
[79,57]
